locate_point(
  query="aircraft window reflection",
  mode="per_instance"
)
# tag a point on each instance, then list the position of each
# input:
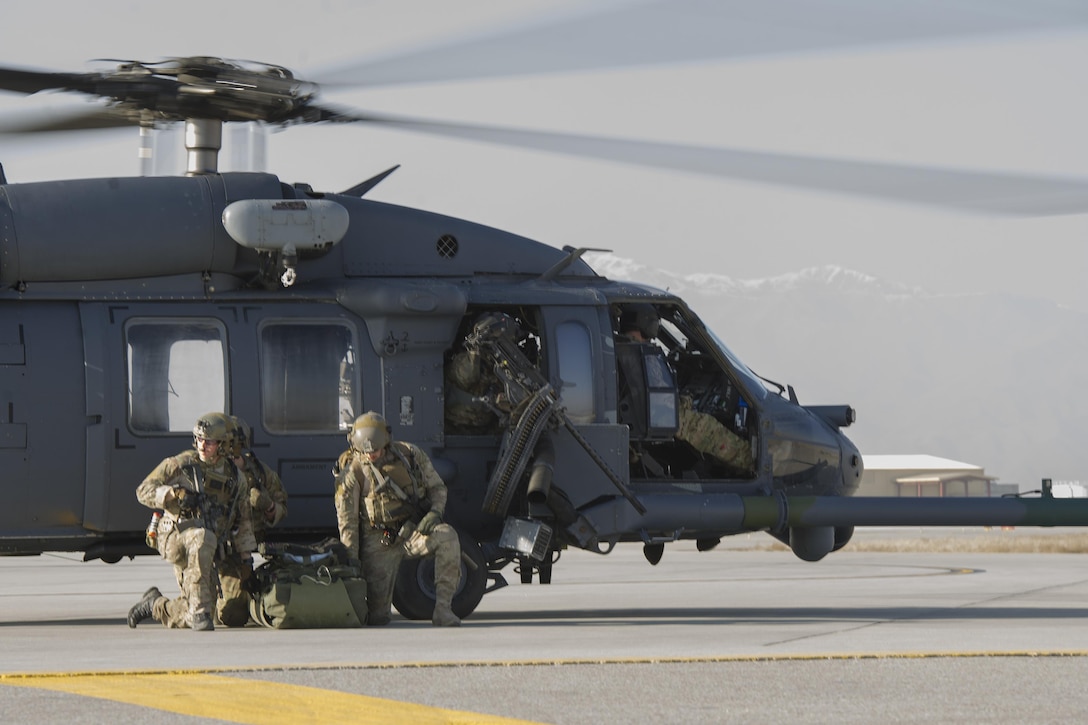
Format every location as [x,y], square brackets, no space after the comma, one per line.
[756,385]
[308,377]
[683,343]
[660,393]
[658,374]
[663,414]
[575,370]
[176,373]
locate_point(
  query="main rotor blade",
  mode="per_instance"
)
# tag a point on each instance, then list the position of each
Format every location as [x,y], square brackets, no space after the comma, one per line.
[626,33]
[978,192]
[75,117]
[31,81]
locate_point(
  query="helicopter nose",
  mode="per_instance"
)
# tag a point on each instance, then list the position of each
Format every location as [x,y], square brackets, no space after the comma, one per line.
[852,465]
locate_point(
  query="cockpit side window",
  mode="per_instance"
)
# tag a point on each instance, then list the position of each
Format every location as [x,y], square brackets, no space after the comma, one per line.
[647,397]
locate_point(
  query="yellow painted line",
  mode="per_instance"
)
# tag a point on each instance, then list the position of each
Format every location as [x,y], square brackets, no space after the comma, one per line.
[649,660]
[710,659]
[204,693]
[248,701]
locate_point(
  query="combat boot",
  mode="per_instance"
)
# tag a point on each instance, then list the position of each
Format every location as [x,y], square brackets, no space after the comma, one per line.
[444,617]
[443,613]
[142,610]
[202,622]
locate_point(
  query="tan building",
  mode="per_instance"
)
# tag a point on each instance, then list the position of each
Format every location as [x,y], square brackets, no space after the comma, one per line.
[923,475]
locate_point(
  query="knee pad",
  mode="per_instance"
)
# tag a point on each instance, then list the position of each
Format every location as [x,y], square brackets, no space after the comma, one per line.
[235,613]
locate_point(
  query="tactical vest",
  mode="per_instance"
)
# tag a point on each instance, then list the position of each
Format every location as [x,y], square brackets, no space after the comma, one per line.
[220,491]
[384,507]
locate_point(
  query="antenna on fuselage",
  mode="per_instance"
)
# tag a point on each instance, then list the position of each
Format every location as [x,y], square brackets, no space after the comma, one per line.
[572,255]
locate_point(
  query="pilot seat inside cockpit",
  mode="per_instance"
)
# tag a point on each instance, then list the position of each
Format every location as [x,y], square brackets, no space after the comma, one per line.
[687,419]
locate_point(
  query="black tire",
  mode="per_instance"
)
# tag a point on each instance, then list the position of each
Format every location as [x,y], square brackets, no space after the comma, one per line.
[413,592]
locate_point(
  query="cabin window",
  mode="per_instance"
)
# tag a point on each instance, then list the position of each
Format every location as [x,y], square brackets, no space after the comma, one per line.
[575,358]
[176,373]
[308,377]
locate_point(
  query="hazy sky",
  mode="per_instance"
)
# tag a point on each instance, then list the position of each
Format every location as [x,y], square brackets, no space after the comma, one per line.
[1012,102]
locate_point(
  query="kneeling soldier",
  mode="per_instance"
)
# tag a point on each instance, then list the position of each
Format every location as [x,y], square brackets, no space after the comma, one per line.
[205,518]
[383,488]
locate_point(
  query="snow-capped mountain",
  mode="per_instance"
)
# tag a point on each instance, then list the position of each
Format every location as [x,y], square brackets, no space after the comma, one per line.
[999,381]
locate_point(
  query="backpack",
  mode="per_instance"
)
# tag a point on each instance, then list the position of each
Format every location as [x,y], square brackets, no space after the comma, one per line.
[308,587]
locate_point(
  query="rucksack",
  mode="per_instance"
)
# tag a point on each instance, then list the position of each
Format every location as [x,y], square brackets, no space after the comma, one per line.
[308,587]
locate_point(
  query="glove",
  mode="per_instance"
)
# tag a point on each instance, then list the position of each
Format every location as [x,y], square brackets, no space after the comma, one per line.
[187,500]
[428,522]
[251,585]
[259,500]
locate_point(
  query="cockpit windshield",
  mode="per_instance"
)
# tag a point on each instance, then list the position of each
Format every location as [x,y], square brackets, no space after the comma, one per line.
[681,329]
[756,384]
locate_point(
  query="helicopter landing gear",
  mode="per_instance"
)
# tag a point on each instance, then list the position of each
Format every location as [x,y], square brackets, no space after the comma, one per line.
[543,569]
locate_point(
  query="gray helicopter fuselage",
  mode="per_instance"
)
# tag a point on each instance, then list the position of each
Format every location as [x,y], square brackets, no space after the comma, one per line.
[128,310]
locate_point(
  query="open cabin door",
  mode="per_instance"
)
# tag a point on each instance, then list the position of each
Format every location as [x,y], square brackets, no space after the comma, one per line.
[579,357]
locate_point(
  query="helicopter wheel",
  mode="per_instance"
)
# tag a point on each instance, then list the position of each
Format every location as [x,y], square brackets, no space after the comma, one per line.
[413,592]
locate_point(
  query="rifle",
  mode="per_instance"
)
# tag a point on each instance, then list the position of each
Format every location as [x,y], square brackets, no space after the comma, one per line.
[200,506]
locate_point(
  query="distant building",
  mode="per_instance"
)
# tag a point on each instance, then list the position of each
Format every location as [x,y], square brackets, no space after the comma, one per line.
[1069,489]
[922,475]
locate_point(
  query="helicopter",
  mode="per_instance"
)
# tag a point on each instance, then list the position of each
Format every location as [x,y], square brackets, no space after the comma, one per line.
[160,298]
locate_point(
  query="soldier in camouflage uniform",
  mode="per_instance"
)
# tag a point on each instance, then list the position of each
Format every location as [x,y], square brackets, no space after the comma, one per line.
[382,487]
[475,397]
[267,496]
[706,434]
[466,384]
[267,506]
[205,516]
[702,431]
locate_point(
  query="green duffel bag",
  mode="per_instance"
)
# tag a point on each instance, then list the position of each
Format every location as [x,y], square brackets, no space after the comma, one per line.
[308,587]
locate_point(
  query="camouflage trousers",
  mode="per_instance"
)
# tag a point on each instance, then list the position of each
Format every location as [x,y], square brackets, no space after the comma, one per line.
[706,434]
[232,607]
[192,552]
[381,562]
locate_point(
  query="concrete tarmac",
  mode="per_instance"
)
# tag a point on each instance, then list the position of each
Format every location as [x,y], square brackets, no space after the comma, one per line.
[730,635]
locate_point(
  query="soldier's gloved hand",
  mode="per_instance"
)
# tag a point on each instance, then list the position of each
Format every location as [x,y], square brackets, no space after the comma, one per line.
[428,522]
[259,500]
[250,583]
[185,498]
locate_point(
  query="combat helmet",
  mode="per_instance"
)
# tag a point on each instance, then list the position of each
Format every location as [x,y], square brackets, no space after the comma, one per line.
[214,427]
[640,316]
[369,433]
[242,437]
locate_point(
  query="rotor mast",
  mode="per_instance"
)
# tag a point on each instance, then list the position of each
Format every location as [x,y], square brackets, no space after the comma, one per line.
[203,140]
